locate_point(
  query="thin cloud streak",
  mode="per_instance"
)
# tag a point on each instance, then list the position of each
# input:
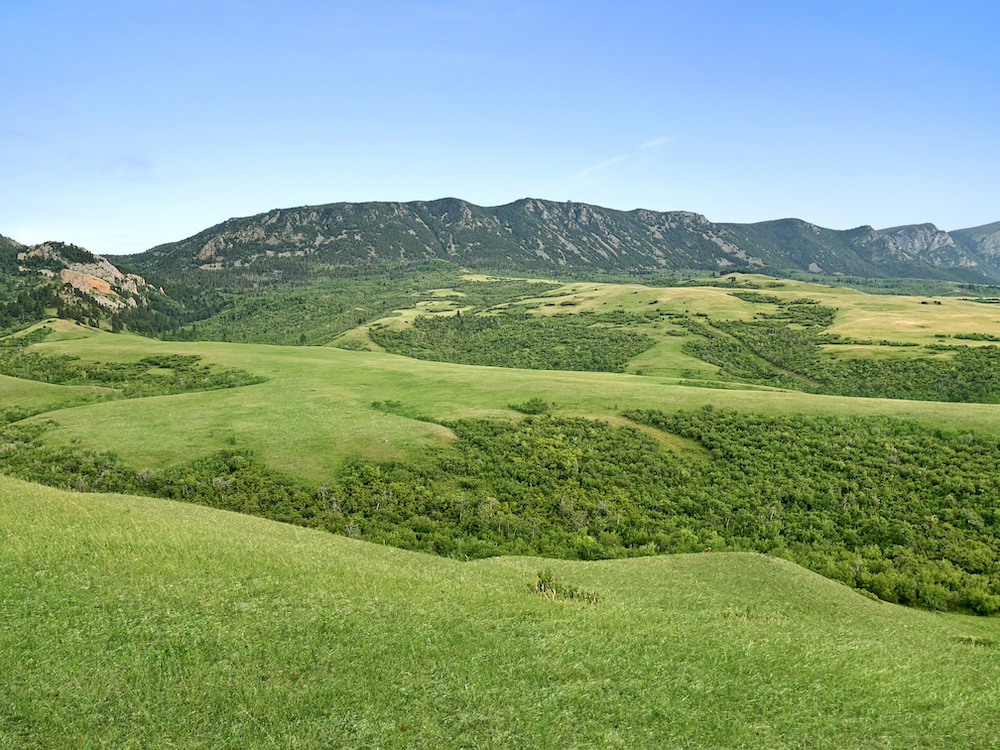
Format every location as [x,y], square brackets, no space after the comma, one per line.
[657,141]
[602,165]
[648,144]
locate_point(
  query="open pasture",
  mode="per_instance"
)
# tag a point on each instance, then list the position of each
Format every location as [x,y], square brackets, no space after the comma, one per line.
[30,394]
[916,322]
[132,622]
[315,409]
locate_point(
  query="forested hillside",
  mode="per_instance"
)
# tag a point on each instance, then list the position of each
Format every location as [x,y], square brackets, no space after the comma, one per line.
[538,235]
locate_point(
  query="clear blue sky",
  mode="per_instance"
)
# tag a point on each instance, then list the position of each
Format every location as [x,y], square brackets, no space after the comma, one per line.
[127,123]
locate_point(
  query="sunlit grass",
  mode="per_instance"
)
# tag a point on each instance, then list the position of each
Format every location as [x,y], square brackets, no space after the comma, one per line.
[315,410]
[130,622]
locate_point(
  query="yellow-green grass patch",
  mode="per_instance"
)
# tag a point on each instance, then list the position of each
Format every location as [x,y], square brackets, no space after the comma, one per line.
[906,319]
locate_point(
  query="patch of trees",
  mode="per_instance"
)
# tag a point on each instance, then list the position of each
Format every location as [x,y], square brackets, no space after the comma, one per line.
[327,302]
[517,339]
[21,304]
[783,349]
[904,511]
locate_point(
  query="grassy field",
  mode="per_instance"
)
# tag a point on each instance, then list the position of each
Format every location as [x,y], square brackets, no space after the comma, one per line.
[132,623]
[32,394]
[906,319]
[315,410]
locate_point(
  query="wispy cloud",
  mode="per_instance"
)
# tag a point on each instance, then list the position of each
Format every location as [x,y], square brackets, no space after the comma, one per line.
[129,167]
[618,159]
[602,165]
[657,141]
[15,135]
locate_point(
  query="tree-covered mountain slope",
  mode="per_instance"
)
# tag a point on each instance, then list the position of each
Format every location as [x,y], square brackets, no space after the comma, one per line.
[532,234]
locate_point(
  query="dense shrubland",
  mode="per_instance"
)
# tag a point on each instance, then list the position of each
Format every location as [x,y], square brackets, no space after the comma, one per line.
[783,349]
[518,339]
[901,510]
[318,307]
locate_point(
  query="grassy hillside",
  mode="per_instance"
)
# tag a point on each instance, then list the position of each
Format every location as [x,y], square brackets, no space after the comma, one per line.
[314,411]
[129,622]
[430,455]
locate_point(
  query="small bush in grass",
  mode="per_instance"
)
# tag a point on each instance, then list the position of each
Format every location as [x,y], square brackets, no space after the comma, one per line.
[550,588]
[531,406]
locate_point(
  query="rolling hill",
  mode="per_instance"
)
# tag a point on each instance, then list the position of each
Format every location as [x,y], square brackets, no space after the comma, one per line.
[133,622]
[138,621]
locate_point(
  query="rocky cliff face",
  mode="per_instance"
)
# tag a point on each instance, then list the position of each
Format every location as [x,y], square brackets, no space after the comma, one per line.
[91,274]
[532,234]
[931,245]
[983,242]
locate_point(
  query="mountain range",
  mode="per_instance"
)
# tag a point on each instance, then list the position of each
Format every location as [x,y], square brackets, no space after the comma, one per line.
[527,236]
[539,235]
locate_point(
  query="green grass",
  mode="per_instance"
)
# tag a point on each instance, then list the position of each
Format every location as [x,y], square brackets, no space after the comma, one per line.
[129,622]
[315,410]
[909,319]
[31,394]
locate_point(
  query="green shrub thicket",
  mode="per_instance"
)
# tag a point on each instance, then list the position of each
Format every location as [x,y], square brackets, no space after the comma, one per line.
[783,349]
[323,305]
[904,511]
[517,339]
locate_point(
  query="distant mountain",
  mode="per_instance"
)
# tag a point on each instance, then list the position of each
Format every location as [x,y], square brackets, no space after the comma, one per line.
[982,241]
[538,235]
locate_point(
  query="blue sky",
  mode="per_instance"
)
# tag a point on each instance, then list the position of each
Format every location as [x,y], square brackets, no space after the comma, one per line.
[128,123]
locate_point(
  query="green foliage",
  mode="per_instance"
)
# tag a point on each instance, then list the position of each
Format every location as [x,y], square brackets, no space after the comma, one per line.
[783,349]
[517,339]
[733,358]
[901,510]
[228,480]
[318,301]
[551,588]
[906,512]
[971,375]
[532,406]
[772,299]
[151,376]
[977,336]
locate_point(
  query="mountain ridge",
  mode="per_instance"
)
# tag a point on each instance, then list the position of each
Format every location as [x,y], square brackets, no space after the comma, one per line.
[534,234]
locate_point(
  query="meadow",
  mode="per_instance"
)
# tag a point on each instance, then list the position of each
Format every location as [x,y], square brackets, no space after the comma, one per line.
[132,622]
[141,622]
[314,410]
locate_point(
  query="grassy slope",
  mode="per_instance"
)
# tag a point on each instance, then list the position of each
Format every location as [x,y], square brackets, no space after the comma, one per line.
[315,409]
[129,622]
[31,394]
[863,316]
